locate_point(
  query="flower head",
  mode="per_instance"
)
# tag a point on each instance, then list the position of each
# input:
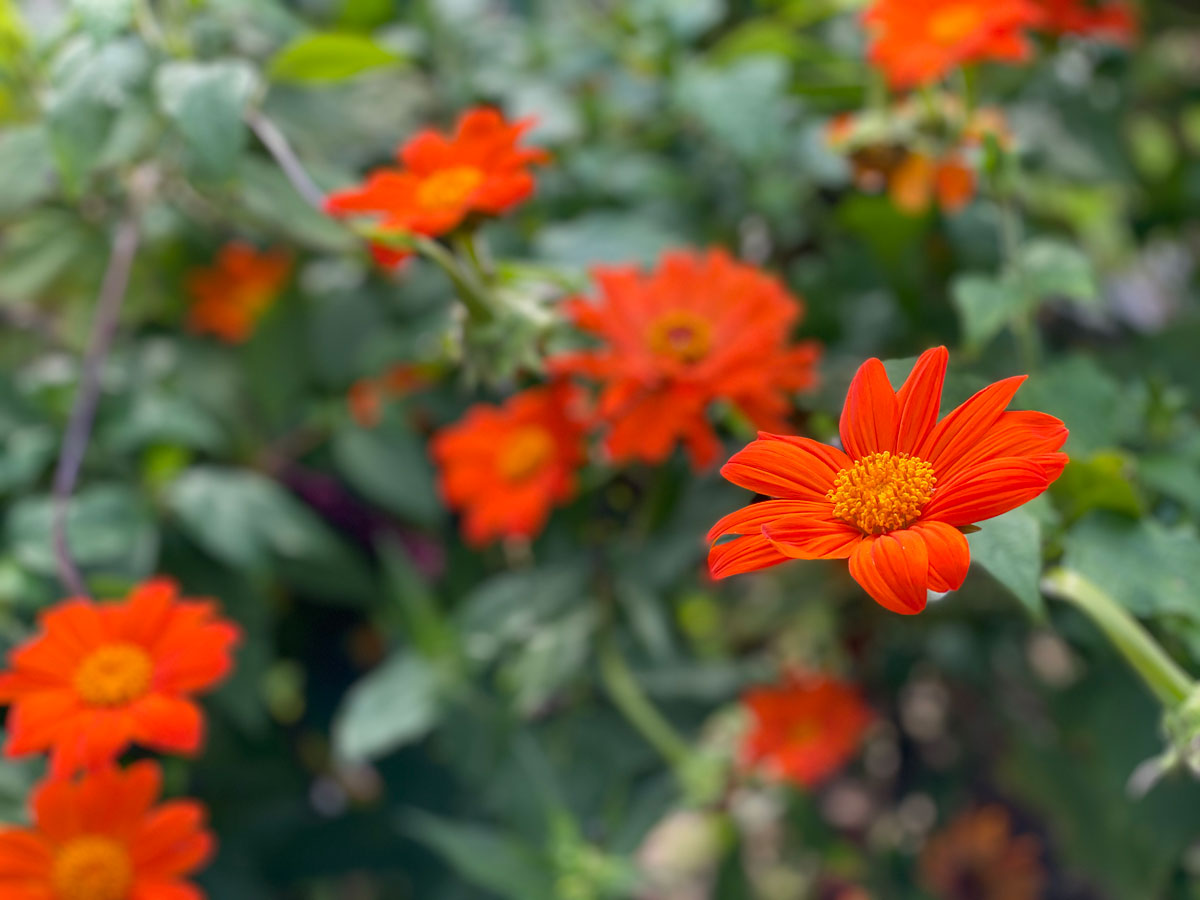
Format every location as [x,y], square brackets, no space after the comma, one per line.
[918,42]
[507,466]
[103,837]
[1114,20]
[894,499]
[699,328]
[102,676]
[977,857]
[444,179]
[805,729]
[230,298]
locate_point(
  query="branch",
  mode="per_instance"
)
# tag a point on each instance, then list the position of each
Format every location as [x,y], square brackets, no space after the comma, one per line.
[83,412]
[277,145]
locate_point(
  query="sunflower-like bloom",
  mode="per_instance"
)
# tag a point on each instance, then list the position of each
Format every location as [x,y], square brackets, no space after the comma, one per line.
[507,466]
[698,329]
[480,169]
[894,500]
[805,729]
[230,298]
[105,837]
[103,676]
[918,42]
[978,857]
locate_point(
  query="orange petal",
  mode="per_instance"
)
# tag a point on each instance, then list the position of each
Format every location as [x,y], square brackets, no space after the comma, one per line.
[955,184]
[871,414]
[949,554]
[986,490]
[744,554]
[965,426]
[911,186]
[804,538]
[792,469]
[168,723]
[1020,433]
[920,399]
[23,855]
[894,569]
[751,519]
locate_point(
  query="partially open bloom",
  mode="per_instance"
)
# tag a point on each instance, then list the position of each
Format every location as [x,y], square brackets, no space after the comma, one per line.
[978,857]
[918,42]
[507,466]
[700,328]
[919,180]
[894,500]
[230,298]
[805,729]
[480,169]
[1113,20]
[105,837]
[102,676]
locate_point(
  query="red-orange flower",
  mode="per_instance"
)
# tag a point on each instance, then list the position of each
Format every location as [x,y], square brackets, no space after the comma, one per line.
[918,180]
[367,396]
[977,857]
[102,676]
[1114,20]
[701,327]
[105,837]
[917,42]
[507,466]
[479,169]
[230,298]
[894,499]
[805,729]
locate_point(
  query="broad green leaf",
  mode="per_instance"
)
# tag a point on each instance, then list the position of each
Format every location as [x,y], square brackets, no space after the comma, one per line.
[104,18]
[206,101]
[1048,269]
[600,237]
[549,658]
[26,168]
[394,705]
[1099,412]
[512,606]
[269,198]
[985,307]
[329,56]
[1009,548]
[1102,481]
[389,466]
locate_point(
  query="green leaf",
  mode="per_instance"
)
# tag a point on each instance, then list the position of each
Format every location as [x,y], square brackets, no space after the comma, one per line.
[1099,412]
[388,466]
[394,705]
[267,195]
[329,56]
[549,658]
[1009,548]
[985,307]
[206,102]
[104,18]
[26,168]
[1048,269]
[487,858]
[1099,482]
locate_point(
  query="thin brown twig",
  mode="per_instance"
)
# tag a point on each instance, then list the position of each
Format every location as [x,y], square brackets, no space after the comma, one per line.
[279,148]
[87,397]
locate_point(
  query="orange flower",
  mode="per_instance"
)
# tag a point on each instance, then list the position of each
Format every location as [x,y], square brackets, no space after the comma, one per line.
[229,299]
[1115,20]
[367,395]
[894,500]
[979,858]
[805,729]
[102,676]
[917,42]
[700,328]
[104,838]
[505,467]
[480,169]
[919,179]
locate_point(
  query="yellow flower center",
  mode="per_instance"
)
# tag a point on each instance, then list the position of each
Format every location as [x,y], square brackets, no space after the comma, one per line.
[114,675]
[882,492]
[92,868]
[526,452]
[956,22]
[449,187]
[804,731]
[682,335]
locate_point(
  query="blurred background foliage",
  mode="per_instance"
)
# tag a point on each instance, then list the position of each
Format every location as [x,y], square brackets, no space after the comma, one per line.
[413,718]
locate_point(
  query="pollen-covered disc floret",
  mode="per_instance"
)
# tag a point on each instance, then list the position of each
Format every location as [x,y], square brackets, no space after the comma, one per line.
[92,868]
[882,492]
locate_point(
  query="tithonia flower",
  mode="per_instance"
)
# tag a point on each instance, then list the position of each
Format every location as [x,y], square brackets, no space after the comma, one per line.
[443,180]
[507,466]
[698,329]
[805,729]
[102,676]
[977,857]
[894,499]
[917,42]
[1113,20]
[367,396]
[919,180]
[230,298]
[105,837]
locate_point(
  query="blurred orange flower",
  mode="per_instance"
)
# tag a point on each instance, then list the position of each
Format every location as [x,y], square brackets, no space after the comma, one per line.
[977,857]
[230,298]
[104,838]
[895,499]
[919,180]
[701,327]
[443,180]
[368,395]
[805,729]
[506,466]
[918,42]
[1114,20]
[102,676]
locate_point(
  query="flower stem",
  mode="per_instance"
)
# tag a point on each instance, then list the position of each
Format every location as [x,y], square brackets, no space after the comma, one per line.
[1169,683]
[637,708]
[472,294]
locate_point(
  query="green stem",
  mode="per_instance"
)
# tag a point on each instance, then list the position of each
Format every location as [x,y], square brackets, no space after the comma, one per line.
[633,703]
[472,294]
[970,79]
[1169,683]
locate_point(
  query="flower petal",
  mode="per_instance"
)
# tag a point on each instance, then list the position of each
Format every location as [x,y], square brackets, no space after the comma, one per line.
[870,416]
[1021,433]
[168,723]
[986,490]
[804,538]
[958,433]
[792,468]
[894,569]
[920,398]
[949,554]
[750,519]
[743,554]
